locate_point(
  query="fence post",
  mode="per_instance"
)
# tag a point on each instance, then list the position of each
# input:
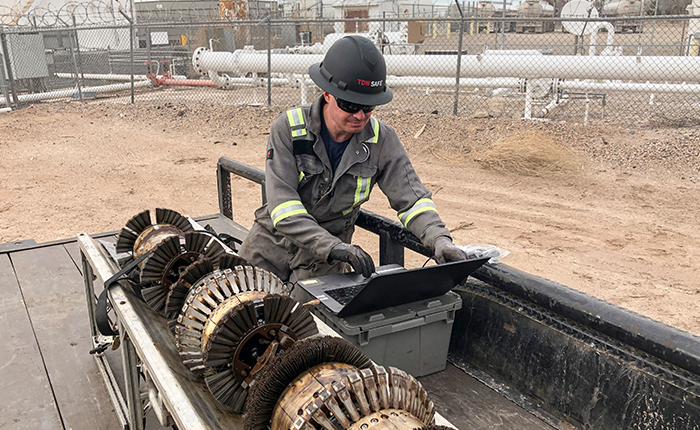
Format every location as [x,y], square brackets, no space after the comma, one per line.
[383,29]
[8,63]
[77,49]
[149,69]
[269,61]
[131,57]
[459,62]
[503,28]
[3,78]
[72,35]
[131,47]
[3,82]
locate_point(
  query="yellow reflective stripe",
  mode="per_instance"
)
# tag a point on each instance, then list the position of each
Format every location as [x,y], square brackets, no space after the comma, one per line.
[375,128]
[300,116]
[361,192]
[296,119]
[285,210]
[301,176]
[422,205]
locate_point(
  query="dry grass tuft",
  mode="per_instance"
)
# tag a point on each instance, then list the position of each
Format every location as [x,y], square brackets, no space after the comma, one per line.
[531,153]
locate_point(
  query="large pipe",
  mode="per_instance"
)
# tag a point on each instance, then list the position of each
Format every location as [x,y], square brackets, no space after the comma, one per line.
[102,77]
[680,69]
[110,76]
[68,92]
[582,86]
[596,26]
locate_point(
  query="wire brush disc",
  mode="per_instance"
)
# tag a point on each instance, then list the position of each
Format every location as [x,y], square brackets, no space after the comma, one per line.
[170,259]
[135,234]
[237,342]
[434,427]
[337,399]
[283,369]
[192,274]
[170,217]
[178,291]
[206,295]
[128,235]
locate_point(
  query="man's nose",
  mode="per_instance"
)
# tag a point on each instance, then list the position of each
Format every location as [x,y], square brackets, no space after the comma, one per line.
[360,115]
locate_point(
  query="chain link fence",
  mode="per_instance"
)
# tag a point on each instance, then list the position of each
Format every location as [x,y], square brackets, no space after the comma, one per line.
[610,69]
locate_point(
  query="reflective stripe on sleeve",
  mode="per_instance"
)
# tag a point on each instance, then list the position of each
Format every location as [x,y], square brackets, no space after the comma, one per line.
[361,193]
[422,205]
[285,210]
[375,128]
[296,122]
[301,176]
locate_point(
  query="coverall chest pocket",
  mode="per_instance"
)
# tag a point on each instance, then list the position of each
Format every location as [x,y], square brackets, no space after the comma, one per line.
[310,169]
[353,188]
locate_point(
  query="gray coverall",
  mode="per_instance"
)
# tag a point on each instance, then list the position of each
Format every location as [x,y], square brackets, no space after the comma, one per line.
[310,209]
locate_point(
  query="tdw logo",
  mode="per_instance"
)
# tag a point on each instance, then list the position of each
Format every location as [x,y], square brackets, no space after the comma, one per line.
[364,83]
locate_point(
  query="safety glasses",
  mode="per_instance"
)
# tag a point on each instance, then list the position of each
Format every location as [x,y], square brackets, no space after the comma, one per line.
[352,107]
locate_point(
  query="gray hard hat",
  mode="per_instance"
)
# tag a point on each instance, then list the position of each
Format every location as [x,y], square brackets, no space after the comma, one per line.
[353,70]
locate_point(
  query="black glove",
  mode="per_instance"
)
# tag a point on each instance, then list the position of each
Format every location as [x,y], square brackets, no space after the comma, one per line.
[360,261]
[446,251]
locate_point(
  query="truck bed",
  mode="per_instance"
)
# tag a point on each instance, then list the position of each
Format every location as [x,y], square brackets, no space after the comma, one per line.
[49,380]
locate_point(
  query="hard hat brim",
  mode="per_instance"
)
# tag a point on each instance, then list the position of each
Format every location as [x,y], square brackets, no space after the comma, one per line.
[352,96]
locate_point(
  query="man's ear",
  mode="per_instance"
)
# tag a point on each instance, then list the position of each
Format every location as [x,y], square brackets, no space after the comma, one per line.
[327,97]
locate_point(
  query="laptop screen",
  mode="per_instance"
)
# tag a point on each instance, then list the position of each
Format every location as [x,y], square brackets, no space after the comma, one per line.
[405,286]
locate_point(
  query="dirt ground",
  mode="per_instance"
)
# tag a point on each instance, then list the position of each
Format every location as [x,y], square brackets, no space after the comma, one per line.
[609,211]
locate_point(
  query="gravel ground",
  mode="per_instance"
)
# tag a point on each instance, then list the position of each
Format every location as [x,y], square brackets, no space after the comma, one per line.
[621,225]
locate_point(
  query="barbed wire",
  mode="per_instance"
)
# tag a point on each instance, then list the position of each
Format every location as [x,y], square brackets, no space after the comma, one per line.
[113,12]
[103,12]
[95,12]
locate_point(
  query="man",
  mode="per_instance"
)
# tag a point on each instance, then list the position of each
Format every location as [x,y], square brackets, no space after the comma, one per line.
[323,160]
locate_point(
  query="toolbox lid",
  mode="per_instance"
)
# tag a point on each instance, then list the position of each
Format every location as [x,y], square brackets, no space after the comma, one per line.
[356,324]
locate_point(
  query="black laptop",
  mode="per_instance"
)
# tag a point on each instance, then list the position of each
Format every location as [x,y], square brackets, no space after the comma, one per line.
[352,294]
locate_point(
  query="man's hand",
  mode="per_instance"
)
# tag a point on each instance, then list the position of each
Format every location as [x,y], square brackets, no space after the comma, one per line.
[360,261]
[446,251]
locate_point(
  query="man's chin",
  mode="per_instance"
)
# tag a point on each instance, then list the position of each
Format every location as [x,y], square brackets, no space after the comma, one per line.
[356,127]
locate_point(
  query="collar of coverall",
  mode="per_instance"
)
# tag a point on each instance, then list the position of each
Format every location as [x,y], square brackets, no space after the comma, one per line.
[315,122]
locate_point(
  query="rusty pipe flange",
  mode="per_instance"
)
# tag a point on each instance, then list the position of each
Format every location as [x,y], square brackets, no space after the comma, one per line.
[196,59]
[326,398]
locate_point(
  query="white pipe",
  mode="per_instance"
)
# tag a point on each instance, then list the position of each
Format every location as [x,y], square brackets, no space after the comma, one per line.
[225,82]
[304,90]
[634,87]
[528,102]
[417,81]
[111,77]
[68,92]
[553,104]
[103,77]
[594,35]
[474,66]
[5,110]
[512,52]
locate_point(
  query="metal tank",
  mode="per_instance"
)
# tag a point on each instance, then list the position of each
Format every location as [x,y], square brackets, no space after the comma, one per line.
[535,9]
[622,9]
[488,9]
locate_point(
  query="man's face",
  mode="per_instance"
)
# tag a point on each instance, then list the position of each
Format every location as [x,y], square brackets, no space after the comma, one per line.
[344,122]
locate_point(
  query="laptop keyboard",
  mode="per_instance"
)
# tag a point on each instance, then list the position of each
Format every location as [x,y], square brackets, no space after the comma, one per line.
[343,295]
